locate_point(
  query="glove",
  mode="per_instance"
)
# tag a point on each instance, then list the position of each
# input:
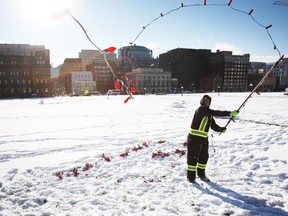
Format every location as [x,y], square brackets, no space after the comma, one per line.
[223,129]
[234,113]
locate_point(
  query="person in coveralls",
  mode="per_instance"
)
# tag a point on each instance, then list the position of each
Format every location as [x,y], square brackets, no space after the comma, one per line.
[197,143]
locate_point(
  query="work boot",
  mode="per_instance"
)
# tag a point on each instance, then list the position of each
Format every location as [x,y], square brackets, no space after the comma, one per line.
[201,174]
[204,178]
[191,176]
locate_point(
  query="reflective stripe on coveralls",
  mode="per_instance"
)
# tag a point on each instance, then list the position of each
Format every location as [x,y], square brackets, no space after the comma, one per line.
[192,168]
[201,166]
[201,131]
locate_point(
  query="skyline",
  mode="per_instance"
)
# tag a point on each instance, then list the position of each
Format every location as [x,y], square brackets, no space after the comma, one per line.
[214,26]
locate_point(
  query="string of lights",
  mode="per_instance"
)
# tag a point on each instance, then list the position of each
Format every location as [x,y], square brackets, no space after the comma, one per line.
[205,4]
[125,83]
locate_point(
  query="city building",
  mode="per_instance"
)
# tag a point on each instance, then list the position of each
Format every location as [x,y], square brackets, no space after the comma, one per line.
[81,83]
[102,74]
[134,56]
[228,72]
[24,70]
[61,85]
[280,73]
[151,80]
[255,73]
[187,65]
[89,56]
[201,70]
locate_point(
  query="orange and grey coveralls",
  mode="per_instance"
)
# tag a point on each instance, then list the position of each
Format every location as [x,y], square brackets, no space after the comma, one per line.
[197,143]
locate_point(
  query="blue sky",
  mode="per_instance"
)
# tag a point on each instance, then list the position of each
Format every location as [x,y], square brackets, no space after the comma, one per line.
[117,23]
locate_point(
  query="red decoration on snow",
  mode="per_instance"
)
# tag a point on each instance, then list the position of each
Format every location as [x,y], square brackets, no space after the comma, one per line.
[75,172]
[180,152]
[229,2]
[251,11]
[59,175]
[161,141]
[87,167]
[137,148]
[160,154]
[110,49]
[116,85]
[106,158]
[145,144]
[269,26]
[124,154]
[185,143]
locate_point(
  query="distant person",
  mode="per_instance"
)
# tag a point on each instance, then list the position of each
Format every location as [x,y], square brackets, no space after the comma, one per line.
[197,143]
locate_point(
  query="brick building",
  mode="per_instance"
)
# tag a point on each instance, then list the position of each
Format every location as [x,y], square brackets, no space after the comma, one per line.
[24,71]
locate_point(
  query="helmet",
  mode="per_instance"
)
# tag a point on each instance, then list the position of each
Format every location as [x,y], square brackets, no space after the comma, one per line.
[205,97]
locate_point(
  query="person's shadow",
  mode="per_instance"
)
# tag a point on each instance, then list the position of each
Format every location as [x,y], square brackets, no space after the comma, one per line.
[253,204]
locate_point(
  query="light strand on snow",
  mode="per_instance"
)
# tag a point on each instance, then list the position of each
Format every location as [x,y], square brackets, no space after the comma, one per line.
[75,171]
[205,5]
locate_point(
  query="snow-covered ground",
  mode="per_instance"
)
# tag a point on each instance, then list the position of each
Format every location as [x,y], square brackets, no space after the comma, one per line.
[110,146]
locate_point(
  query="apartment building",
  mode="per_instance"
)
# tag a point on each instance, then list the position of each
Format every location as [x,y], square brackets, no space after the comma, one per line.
[151,80]
[24,71]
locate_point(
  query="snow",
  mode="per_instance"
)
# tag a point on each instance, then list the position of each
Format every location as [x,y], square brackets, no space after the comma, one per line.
[42,140]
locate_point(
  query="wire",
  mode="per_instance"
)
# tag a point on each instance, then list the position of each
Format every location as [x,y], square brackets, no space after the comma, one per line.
[204,5]
[124,84]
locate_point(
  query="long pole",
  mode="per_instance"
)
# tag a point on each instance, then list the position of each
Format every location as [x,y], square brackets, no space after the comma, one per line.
[256,88]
